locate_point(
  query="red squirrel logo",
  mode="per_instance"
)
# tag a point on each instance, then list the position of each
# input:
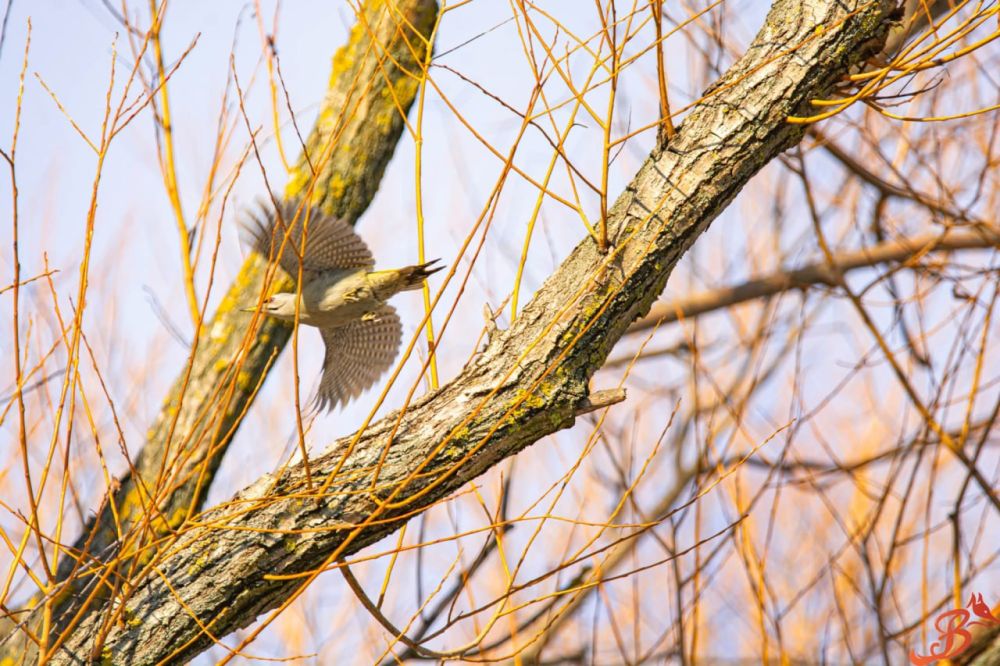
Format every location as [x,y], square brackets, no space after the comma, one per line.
[953,635]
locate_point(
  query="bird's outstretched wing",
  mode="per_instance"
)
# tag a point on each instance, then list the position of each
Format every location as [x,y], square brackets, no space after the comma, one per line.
[331,243]
[356,356]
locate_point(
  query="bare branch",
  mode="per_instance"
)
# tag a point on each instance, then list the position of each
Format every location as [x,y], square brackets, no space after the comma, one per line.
[819,273]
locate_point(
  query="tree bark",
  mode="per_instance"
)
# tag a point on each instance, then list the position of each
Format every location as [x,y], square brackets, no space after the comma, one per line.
[237,561]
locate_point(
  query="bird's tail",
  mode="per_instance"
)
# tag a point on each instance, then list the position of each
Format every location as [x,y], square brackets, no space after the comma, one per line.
[412,277]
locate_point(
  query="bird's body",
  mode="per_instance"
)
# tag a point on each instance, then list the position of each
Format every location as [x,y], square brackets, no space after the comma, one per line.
[339,294]
[338,297]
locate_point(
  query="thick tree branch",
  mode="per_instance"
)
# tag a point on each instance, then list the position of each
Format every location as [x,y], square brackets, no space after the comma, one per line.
[257,552]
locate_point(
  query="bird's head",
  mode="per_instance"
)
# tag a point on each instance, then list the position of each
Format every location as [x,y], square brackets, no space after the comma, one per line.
[279,306]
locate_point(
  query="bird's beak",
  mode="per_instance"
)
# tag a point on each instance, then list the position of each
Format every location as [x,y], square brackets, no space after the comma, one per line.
[254,309]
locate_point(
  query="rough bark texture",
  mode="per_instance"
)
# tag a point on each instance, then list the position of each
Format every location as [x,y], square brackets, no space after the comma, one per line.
[527,383]
[372,84]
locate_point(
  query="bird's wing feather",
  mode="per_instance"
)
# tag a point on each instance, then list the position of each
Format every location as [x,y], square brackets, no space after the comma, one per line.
[356,356]
[331,243]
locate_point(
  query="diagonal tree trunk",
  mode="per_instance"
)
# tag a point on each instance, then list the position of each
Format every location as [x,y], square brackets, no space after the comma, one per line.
[257,552]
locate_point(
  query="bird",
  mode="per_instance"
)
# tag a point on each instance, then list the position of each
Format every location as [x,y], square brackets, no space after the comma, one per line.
[340,293]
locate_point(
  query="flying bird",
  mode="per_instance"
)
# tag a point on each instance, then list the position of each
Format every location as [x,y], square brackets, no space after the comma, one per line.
[339,294]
